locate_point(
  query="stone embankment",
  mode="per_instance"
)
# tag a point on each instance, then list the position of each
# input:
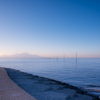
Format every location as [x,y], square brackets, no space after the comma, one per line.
[11,91]
[47,89]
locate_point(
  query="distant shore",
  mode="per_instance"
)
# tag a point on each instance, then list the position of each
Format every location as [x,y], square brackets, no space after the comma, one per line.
[48,89]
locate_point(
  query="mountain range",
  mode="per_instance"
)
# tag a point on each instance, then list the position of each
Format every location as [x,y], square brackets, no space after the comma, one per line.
[22,55]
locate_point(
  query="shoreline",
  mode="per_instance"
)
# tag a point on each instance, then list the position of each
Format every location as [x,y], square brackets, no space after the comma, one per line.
[41,87]
[11,91]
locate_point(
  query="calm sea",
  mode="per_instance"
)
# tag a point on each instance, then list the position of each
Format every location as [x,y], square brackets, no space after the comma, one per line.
[85,73]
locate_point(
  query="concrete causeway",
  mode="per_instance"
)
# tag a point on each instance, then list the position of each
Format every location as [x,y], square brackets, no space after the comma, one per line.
[11,91]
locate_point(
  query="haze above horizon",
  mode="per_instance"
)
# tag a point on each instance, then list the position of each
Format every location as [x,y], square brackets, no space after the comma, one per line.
[50,27]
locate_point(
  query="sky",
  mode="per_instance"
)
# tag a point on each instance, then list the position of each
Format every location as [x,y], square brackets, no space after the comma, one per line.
[50,28]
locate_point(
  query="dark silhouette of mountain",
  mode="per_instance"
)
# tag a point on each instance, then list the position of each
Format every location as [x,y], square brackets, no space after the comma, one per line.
[22,55]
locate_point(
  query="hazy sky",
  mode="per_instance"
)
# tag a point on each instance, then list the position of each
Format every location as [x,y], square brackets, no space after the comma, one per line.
[50,27]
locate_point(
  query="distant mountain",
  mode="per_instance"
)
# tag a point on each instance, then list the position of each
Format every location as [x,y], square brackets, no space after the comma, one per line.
[22,55]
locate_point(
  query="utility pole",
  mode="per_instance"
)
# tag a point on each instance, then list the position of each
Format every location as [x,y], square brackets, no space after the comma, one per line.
[57,57]
[76,57]
[64,57]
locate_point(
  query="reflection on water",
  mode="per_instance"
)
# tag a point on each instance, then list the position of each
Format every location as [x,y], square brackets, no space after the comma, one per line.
[93,89]
[83,73]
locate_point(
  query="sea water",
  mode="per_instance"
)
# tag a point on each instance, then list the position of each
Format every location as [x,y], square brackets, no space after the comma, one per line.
[84,73]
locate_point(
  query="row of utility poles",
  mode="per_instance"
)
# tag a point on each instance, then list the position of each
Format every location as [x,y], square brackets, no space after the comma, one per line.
[65,57]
